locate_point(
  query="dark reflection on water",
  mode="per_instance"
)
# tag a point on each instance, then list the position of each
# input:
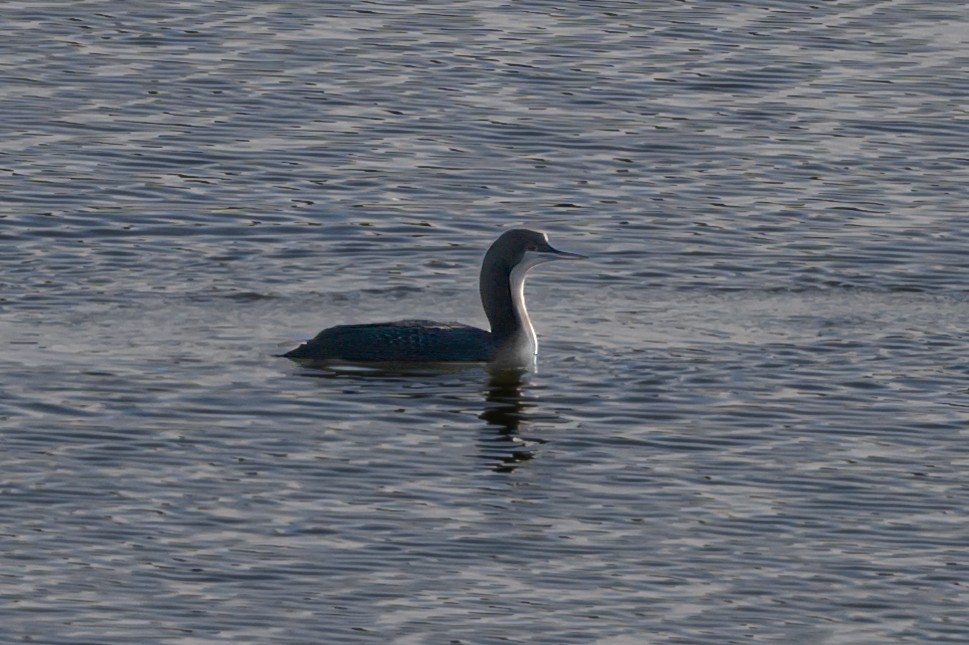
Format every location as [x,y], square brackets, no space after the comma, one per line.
[506,402]
[503,447]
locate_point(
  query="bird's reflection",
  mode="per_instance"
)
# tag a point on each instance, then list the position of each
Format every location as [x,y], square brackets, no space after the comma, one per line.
[502,445]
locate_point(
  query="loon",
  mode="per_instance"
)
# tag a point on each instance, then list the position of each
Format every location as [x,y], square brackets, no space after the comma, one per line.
[511,343]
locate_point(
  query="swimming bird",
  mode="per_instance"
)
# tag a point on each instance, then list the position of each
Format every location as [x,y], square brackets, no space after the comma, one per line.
[511,343]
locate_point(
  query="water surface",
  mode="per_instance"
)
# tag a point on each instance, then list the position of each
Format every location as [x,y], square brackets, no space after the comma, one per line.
[749,419]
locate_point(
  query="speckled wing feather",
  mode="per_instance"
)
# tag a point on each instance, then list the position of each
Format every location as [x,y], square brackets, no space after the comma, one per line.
[405,341]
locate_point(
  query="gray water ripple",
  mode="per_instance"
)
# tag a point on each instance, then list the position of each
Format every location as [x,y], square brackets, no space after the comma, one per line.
[748,421]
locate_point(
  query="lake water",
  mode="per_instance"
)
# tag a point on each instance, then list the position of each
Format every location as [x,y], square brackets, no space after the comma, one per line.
[750,421]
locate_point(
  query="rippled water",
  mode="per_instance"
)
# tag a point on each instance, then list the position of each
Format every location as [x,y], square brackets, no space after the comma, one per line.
[750,417]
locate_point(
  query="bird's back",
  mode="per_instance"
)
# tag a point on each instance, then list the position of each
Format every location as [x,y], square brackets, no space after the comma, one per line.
[405,341]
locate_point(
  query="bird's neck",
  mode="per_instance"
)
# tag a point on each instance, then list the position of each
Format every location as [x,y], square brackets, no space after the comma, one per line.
[503,298]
